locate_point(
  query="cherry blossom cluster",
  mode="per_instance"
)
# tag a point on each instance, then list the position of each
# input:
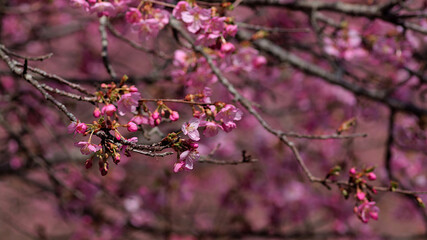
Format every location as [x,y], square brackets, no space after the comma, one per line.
[215,117]
[115,101]
[102,8]
[210,28]
[346,45]
[196,74]
[365,208]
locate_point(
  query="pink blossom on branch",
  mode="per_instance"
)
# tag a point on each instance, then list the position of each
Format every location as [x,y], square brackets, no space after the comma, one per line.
[86,148]
[103,9]
[75,127]
[196,18]
[366,211]
[147,29]
[128,103]
[109,110]
[133,15]
[190,129]
[187,159]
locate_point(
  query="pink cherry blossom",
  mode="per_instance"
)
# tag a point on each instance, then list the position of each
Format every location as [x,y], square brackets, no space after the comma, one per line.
[174,116]
[128,103]
[360,195]
[139,119]
[190,129]
[75,127]
[109,109]
[347,46]
[187,159]
[366,211]
[133,15]
[132,127]
[103,9]
[229,113]
[147,29]
[371,176]
[196,18]
[161,16]
[227,47]
[180,7]
[80,3]
[86,148]
[231,30]
[96,113]
[211,128]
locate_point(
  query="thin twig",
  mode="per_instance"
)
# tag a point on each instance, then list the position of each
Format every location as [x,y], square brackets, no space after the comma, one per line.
[103,21]
[325,137]
[271,29]
[38,58]
[136,45]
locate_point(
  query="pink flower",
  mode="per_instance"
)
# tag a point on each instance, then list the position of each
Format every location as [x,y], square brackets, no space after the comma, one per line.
[372,176]
[155,115]
[228,126]
[212,31]
[195,18]
[132,127]
[247,59]
[360,195]
[231,30]
[96,113]
[154,119]
[121,5]
[128,102]
[103,9]
[80,3]
[139,119]
[367,210]
[147,29]
[347,45]
[133,15]
[174,116]
[227,47]
[352,171]
[190,129]
[75,127]
[179,9]
[259,61]
[86,148]
[187,159]
[161,16]
[109,109]
[211,128]
[229,113]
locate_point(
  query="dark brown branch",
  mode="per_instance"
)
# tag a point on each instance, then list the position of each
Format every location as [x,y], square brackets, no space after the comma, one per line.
[103,21]
[309,68]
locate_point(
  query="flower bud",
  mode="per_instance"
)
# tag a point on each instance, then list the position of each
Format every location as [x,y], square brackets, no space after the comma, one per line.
[109,109]
[88,163]
[132,127]
[227,48]
[174,116]
[96,113]
[371,176]
[155,115]
[81,128]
